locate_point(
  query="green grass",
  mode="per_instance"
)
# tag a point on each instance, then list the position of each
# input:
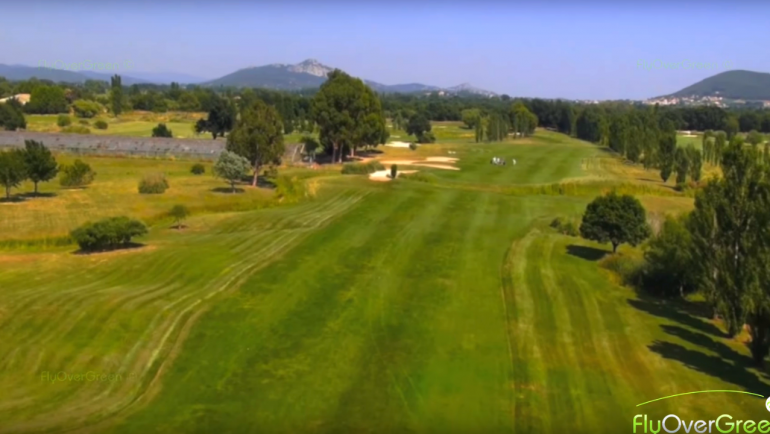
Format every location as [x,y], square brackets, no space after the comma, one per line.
[133,124]
[374,307]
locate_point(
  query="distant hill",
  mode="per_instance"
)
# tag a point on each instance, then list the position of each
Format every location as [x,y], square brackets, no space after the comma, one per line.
[311,74]
[738,84]
[23,72]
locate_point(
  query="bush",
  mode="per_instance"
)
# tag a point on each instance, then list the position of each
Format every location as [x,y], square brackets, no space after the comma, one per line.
[154,183]
[426,137]
[83,122]
[565,227]
[425,177]
[393,171]
[270,172]
[198,169]
[100,125]
[361,168]
[629,269]
[76,129]
[63,121]
[86,109]
[110,233]
[77,174]
[413,146]
[179,213]
[290,189]
[161,131]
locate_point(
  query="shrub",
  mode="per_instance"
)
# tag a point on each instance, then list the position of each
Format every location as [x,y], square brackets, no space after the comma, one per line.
[393,171]
[161,131]
[179,213]
[76,129]
[83,122]
[110,233]
[425,177]
[100,125]
[290,189]
[198,169]
[556,223]
[86,109]
[413,146]
[570,228]
[629,269]
[154,183]
[270,172]
[361,168]
[63,121]
[77,174]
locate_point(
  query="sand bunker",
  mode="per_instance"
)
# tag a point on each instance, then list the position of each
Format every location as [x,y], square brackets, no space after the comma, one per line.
[443,159]
[420,163]
[398,144]
[384,175]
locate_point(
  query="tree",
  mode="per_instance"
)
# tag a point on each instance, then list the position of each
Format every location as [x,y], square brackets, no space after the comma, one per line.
[708,145]
[720,143]
[418,126]
[588,125]
[681,165]
[732,127]
[522,120]
[13,170]
[179,213]
[619,129]
[732,244]
[666,150]
[348,113]
[77,174]
[162,131]
[231,167]
[615,219]
[41,164]
[471,117]
[116,94]
[695,159]
[86,109]
[12,115]
[46,100]
[754,138]
[258,137]
[669,259]
[220,120]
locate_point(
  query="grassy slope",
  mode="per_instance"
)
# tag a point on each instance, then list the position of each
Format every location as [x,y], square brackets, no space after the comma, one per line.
[114,192]
[385,307]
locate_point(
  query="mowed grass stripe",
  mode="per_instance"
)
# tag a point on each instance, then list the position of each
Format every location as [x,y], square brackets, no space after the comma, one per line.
[89,331]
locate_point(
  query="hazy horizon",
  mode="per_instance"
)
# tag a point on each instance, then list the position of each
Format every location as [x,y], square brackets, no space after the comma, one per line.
[592,50]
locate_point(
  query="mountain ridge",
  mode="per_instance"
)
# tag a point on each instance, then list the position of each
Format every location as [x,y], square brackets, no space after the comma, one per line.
[738,84]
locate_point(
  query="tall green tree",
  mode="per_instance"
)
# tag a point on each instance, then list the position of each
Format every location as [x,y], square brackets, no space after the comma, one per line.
[258,137]
[681,165]
[720,144]
[47,100]
[346,111]
[669,256]
[220,120]
[666,150]
[732,127]
[618,137]
[754,138]
[708,145]
[732,244]
[615,219]
[116,94]
[40,162]
[13,170]
[12,116]
[695,158]
[418,126]
[471,117]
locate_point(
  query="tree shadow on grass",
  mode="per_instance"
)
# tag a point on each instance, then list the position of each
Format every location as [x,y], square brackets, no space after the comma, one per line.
[714,366]
[227,190]
[671,311]
[48,194]
[12,199]
[706,342]
[587,253]
[129,246]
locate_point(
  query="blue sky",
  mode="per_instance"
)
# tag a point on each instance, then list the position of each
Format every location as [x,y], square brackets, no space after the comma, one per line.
[550,49]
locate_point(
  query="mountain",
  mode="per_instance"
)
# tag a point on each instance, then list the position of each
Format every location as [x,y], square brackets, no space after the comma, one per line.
[737,84]
[23,72]
[311,74]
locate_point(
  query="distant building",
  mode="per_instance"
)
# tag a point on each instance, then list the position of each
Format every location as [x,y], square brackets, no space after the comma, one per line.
[23,98]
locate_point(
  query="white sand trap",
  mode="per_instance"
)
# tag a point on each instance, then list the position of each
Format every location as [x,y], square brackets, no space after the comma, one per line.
[384,175]
[689,135]
[443,159]
[418,163]
[398,144]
